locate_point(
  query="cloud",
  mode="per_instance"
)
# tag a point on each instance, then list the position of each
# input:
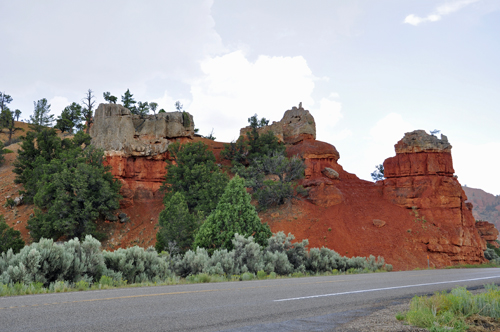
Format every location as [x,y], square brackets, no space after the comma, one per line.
[232,89]
[439,12]
[381,140]
[326,116]
[57,104]
[477,165]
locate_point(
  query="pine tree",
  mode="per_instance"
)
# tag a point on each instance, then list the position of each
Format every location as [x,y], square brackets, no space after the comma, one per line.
[88,110]
[128,101]
[234,214]
[109,98]
[177,225]
[41,115]
[70,117]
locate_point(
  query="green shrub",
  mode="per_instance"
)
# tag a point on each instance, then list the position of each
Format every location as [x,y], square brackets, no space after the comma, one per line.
[261,275]
[247,276]
[185,119]
[9,238]
[81,285]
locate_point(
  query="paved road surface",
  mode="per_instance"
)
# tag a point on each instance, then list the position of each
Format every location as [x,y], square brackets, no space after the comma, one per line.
[301,304]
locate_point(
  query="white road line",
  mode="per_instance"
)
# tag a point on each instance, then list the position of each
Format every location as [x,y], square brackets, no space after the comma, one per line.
[380,289]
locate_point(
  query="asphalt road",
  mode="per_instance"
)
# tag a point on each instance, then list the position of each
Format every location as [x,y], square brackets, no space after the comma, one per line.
[300,304]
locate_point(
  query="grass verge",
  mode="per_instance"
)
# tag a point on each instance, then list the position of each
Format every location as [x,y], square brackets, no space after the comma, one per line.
[458,310]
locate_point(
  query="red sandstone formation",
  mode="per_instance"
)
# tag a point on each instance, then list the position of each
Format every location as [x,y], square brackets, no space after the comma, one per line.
[418,210]
[420,178]
[488,232]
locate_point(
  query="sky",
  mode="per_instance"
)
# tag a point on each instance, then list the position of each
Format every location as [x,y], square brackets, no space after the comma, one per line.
[368,71]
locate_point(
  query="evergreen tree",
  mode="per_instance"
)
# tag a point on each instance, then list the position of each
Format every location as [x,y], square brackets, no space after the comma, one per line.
[142,108]
[7,121]
[2,152]
[17,113]
[38,149]
[153,106]
[196,176]
[109,98]
[4,100]
[74,191]
[88,110]
[70,118]
[9,238]
[234,214]
[129,102]
[177,225]
[378,174]
[41,115]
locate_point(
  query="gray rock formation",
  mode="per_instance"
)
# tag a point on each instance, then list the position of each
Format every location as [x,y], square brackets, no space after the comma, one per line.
[295,125]
[117,131]
[419,141]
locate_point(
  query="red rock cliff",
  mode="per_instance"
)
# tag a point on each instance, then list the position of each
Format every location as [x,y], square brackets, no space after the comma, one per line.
[420,178]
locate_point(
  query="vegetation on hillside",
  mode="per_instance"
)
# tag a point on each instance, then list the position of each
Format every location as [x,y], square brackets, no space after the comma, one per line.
[193,186]
[260,159]
[67,182]
[9,238]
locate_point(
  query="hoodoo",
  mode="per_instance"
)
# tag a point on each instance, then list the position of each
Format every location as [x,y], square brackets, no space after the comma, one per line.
[421,178]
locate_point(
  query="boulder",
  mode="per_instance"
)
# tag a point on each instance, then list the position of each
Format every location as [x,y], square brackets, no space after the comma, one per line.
[330,173]
[488,232]
[378,223]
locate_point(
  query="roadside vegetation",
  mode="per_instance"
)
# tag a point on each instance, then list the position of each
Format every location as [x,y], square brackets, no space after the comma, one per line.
[78,264]
[457,310]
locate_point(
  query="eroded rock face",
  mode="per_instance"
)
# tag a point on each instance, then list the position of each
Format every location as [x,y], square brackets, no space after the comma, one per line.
[136,147]
[116,129]
[297,124]
[488,232]
[420,178]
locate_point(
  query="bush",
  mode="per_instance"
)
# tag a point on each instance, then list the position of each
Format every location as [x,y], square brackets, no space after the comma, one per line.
[136,265]
[47,262]
[9,238]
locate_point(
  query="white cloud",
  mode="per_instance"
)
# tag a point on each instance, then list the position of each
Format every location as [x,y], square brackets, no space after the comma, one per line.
[477,165]
[326,116]
[439,12]
[381,140]
[233,88]
[57,104]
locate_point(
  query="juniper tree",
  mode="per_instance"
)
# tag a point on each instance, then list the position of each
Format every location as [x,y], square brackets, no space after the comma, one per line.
[234,214]
[73,191]
[177,225]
